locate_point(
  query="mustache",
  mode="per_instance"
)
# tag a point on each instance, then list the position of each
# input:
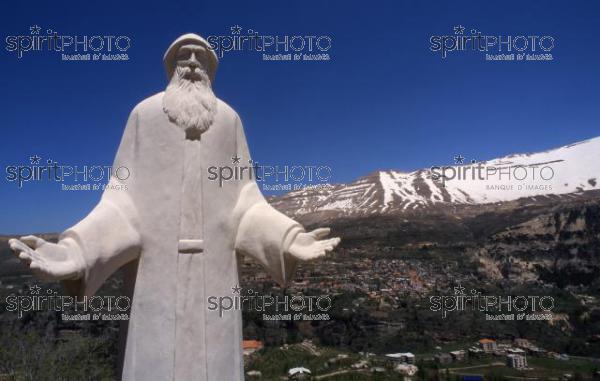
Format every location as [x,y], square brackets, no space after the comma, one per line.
[192,72]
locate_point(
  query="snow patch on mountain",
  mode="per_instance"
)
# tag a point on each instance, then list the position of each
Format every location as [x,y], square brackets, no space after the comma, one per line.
[570,169]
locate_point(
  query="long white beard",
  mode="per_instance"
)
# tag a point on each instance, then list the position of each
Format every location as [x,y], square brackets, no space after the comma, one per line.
[192,105]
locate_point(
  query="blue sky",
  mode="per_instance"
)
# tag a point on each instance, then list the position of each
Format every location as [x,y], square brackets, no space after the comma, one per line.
[384,100]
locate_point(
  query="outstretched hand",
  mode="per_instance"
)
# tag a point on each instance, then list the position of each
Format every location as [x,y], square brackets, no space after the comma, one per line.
[313,244]
[49,261]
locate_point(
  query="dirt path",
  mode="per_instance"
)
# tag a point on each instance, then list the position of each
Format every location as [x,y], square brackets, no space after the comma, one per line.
[337,372]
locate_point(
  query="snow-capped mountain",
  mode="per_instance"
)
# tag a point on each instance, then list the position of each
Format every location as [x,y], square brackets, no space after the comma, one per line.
[566,170]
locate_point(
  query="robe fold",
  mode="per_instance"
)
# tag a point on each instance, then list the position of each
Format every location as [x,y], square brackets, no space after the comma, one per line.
[180,236]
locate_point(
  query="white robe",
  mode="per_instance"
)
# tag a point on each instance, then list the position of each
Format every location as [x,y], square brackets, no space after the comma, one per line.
[180,236]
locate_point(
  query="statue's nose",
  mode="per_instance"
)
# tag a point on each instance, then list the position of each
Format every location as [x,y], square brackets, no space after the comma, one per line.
[193,62]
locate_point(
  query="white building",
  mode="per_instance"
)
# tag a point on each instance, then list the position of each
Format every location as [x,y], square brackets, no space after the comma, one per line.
[516,361]
[403,357]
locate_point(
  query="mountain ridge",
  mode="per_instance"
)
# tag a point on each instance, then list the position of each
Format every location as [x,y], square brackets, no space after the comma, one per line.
[569,169]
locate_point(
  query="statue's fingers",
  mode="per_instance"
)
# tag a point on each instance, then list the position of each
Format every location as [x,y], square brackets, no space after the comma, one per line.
[25,257]
[332,242]
[324,245]
[17,245]
[320,233]
[31,257]
[32,241]
[21,250]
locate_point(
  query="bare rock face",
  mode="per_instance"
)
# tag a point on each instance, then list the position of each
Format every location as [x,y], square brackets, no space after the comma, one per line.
[562,247]
[488,266]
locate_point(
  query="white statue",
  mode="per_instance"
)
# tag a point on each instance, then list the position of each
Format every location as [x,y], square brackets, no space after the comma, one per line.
[178,234]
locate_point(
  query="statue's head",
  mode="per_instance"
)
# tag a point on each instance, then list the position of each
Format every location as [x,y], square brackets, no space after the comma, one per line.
[191,54]
[189,100]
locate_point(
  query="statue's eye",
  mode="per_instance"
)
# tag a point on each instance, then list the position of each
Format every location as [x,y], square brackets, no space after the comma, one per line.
[183,54]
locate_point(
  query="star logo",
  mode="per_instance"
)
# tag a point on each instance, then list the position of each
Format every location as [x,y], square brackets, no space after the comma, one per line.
[236,290]
[459,29]
[34,290]
[236,29]
[460,290]
[35,159]
[235,159]
[35,29]
[459,159]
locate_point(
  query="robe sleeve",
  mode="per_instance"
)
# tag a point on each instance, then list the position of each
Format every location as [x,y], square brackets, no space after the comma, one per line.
[263,232]
[108,237]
